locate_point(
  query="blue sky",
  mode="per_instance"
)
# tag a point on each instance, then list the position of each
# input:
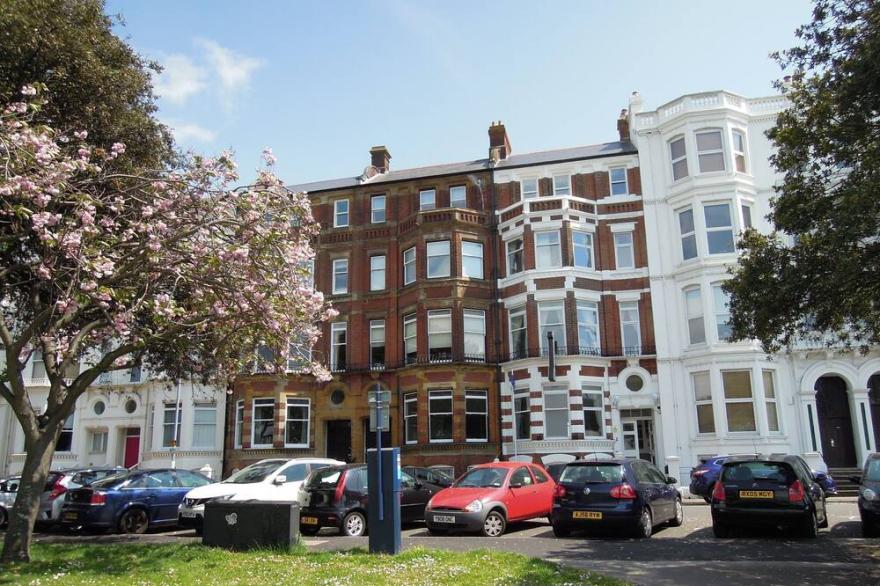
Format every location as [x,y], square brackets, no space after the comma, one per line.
[322,82]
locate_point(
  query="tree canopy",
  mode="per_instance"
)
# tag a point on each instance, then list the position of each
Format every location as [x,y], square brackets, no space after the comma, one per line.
[819,271]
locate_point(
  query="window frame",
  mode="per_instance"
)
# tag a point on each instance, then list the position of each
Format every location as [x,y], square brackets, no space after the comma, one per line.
[673,160]
[465,256]
[588,307]
[410,400]
[441,395]
[704,402]
[612,182]
[337,213]
[693,311]
[336,327]
[515,354]
[374,210]
[375,325]
[520,395]
[771,399]
[448,256]
[439,315]
[335,288]
[562,190]
[474,314]
[422,205]
[522,188]
[175,442]
[719,229]
[374,271]
[687,236]
[93,435]
[618,246]
[630,306]
[566,410]
[297,402]
[410,320]
[261,402]
[586,246]
[544,306]
[557,244]
[717,307]
[739,401]
[238,428]
[204,406]
[515,254]
[407,264]
[593,389]
[478,395]
[740,162]
[711,152]
[458,203]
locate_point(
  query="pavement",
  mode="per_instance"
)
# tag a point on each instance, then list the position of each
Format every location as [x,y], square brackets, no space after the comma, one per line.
[684,555]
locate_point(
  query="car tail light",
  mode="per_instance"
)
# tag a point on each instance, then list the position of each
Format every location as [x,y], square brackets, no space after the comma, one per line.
[699,472]
[796,492]
[559,492]
[340,487]
[718,493]
[57,491]
[98,498]
[623,491]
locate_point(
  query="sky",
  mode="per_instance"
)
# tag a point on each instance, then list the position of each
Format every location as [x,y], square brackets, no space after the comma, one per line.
[320,82]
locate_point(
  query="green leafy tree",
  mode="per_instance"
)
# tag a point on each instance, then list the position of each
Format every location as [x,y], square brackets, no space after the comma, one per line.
[820,269]
[97,81]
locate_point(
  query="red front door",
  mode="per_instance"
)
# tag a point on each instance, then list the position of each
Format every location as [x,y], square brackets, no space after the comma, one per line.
[132,448]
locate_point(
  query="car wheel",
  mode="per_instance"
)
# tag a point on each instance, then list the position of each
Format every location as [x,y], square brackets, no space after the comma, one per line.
[677,514]
[134,521]
[811,527]
[494,524]
[354,524]
[645,526]
[720,530]
[309,531]
[561,530]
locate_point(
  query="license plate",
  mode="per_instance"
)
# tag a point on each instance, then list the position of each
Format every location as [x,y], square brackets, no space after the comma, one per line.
[756,494]
[309,520]
[187,514]
[70,516]
[444,518]
[594,515]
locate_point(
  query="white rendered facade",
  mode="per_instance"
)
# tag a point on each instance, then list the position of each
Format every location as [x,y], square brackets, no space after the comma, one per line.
[718,397]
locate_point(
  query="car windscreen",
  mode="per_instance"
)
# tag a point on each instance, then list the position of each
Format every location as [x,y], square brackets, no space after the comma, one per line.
[325,478]
[747,473]
[89,477]
[482,478]
[111,480]
[592,474]
[255,472]
[872,472]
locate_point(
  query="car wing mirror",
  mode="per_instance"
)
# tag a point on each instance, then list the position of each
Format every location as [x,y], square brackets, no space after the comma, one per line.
[516,485]
[418,485]
[819,476]
[280,479]
[671,480]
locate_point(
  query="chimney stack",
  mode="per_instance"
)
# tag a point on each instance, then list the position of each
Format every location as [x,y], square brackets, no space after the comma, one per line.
[623,125]
[380,158]
[499,143]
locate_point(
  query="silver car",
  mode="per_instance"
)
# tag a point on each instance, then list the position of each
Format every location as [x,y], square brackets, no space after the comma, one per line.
[57,485]
[8,490]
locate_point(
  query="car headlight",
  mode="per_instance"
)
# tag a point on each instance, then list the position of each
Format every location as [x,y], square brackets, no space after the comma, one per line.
[430,503]
[475,506]
[869,495]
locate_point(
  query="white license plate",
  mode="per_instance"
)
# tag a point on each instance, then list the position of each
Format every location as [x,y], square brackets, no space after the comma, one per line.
[188,515]
[444,518]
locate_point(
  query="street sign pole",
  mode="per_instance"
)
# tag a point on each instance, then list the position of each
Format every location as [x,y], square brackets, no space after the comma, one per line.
[379,451]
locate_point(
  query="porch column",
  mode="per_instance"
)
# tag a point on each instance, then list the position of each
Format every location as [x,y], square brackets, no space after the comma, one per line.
[863,425]
[812,439]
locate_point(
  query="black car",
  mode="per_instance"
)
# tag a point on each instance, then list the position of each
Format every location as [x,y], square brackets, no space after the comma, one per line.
[768,492]
[632,495]
[337,497]
[555,470]
[869,496]
[429,476]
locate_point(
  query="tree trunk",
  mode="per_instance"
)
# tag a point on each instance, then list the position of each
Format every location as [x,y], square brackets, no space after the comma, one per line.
[17,545]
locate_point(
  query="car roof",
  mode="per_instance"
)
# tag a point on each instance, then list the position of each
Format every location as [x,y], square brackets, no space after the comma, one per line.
[612,461]
[508,465]
[783,459]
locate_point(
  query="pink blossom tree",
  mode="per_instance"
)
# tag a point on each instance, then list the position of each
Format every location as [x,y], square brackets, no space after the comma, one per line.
[175,270]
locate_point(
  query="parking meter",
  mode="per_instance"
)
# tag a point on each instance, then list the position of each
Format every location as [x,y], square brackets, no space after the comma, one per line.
[383,522]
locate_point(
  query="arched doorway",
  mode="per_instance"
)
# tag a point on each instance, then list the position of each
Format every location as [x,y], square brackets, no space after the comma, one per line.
[835,422]
[874,400]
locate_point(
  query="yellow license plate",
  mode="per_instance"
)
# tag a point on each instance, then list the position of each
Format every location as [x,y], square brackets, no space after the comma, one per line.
[594,515]
[756,494]
[71,516]
[309,521]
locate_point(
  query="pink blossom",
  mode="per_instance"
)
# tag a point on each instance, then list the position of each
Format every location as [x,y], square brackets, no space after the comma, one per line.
[81,134]
[28,90]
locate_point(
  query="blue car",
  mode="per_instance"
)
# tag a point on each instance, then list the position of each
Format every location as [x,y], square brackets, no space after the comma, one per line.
[130,502]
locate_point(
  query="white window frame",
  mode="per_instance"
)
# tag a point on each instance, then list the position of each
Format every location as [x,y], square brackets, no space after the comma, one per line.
[338,265]
[514,253]
[584,309]
[703,402]
[470,317]
[37,358]
[297,402]
[690,236]
[559,189]
[410,340]
[437,244]
[566,410]
[722,312]
[102,443]
[620,245]
[66,430]
[624,181]
[423,204]
[435,317]
[336,327]
[340,216]
[410,412]
[710,152]
[746,211]
[468,250]
[739,150]
[203,408]
[377,325]
[528,194]
[675,160]
[516,313]
[771,400]
[263,402]
[630,349]
[555,259]
[693,311]
[593,390]
[543,327]
[441,395]
[239,425]
[476,395]
[377,274]
[378,215]
[718,229]
[736,401]
[586,246]
[409,263]
[166,407]
[460,202]
[522,404]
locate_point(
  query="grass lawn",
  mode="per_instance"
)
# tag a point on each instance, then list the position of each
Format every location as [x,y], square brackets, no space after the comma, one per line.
[197,564]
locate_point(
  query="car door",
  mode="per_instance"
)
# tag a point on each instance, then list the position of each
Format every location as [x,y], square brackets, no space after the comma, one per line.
[667,492]
[412,500]
[168,495]
[650,490]
[521,494]
[817,495]
[544,486]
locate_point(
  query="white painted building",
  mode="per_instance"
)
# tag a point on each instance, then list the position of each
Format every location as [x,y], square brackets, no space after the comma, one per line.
[126,419]
[706,176]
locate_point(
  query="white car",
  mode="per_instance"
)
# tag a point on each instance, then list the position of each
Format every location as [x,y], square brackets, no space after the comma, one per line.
[276,479]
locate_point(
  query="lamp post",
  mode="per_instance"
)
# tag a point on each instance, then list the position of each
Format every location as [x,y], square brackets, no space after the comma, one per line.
[551,347]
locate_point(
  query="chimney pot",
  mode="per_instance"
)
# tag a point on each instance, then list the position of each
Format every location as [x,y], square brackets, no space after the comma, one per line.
[380,158]
[499,143]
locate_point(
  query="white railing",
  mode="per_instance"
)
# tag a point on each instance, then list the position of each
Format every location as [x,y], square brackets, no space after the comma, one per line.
[708,101]
[563,446]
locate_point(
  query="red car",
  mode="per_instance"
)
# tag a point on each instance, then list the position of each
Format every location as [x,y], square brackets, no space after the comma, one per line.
[488,497]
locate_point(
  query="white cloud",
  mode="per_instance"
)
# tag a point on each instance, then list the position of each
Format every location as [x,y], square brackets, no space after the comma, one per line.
[180,79]
[233,69]
[188,132]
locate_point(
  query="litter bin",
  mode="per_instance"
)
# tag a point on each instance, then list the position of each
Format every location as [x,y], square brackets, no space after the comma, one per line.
[244,525]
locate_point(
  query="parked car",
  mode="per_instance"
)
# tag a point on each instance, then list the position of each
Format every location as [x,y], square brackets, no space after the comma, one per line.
[131,501]
[8,490]
[704,476]
[631,495]
[278,479]
[337,497]
[824,479]
[59,482]
[429,476]
[769,492]
[489,496]
[555,470]
[869,496]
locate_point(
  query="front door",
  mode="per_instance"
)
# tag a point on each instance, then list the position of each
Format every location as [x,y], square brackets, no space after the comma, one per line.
[835,422]
[132,447]
[339,440]
[638,438]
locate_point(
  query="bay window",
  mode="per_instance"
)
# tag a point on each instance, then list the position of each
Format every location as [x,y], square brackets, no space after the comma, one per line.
[739,150]
[522,414]
[548,253]
[678,157]
[688,234]
[410,348]
[693,305]
[476,416]
[703,401]
[410,418]
[551,318]
[438,259]
[440,335]
[263,423]
[738,400]
[440,416]
[722,313]
[630,329]
[623,250]
[514,256]
[377,272]
[472,260]
[338,344]
[409,265]
[594,410]
[204,429]
[474,334]
[770,401]
[296,425]
[518,346]
[582,244]
[377,343]
[588,327]
[719,228]
[529,188]
[556,414]
[239,424]
[561,185]
[710,150]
